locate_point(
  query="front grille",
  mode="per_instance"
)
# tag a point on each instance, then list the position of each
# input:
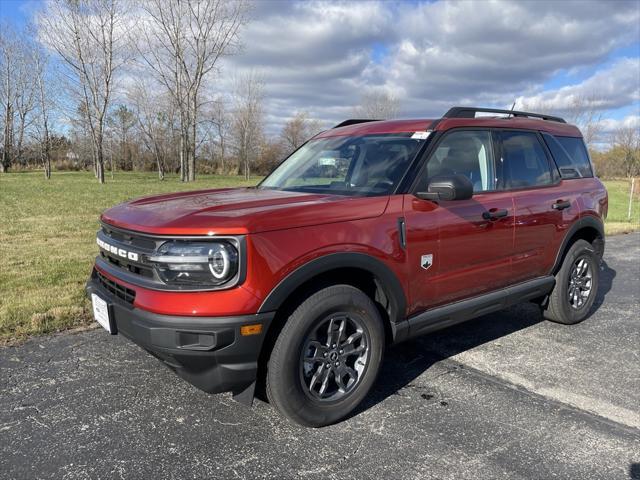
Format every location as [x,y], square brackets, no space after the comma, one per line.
[116,289]
[139,242]
[140,245]
[133,267]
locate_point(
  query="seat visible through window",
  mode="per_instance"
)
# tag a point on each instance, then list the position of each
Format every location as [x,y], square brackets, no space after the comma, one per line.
[524,162]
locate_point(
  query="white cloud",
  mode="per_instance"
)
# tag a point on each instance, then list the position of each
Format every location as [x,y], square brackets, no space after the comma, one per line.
[609,88]
[318,56]
[610,125]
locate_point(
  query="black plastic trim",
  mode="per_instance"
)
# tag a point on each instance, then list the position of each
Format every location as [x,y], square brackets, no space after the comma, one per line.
[583,222]
[402,233]
[441,317]
[470,112]
[355,121]
[334,261]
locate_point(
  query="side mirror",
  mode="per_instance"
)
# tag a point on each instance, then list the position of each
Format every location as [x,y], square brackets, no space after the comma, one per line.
[448,187]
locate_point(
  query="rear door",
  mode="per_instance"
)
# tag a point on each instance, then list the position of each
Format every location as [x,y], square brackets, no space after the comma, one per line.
[459,249]
[544,205]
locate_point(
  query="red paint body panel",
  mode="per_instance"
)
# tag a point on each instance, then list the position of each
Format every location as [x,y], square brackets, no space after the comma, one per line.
[471,255]
[238,211]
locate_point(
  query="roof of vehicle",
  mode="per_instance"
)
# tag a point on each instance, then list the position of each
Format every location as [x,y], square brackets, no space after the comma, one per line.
[369,127]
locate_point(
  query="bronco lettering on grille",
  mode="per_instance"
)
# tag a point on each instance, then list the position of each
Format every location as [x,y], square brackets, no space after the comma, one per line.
[117,251]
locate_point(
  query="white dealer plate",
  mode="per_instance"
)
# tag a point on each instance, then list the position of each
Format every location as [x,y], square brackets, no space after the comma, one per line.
[101,312]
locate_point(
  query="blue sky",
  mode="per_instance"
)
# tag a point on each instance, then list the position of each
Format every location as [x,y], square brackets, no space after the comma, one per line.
[322,57]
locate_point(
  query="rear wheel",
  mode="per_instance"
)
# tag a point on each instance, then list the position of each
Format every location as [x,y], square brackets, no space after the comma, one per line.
[327,356]
[576,285]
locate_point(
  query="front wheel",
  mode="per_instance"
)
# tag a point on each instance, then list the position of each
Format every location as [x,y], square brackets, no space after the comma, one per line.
[327,356]
[576,285]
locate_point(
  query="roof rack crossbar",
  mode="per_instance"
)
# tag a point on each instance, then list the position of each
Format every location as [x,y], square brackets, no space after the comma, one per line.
[470,112]
[353,121]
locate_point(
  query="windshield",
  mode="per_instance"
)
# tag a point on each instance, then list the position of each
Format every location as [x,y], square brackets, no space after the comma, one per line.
[365,165]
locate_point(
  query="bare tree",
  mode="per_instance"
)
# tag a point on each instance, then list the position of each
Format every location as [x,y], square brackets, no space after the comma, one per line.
[248,119]
[378,104]
[154,116]
[586,112]
[122,120]
[182,43]
[44,109]
[85,33]
[627,139]
[298,130]
[221,121]
[8,89]
[25,94]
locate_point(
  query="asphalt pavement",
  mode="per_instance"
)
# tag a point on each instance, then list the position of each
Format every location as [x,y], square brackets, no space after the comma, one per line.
[504,396]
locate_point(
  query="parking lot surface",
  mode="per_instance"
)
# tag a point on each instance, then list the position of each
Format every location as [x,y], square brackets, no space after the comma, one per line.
[504,396]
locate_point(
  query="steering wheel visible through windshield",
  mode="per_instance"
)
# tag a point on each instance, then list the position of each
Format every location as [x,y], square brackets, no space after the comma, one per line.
[365,165]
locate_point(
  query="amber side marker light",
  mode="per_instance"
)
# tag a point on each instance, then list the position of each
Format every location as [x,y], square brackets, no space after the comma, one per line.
[254,329]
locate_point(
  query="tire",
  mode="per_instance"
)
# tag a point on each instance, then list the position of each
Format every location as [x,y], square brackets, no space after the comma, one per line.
[323,389]
[563,309]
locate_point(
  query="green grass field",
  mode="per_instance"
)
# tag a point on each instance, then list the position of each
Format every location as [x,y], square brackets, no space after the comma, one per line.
[47,240]
[617,220]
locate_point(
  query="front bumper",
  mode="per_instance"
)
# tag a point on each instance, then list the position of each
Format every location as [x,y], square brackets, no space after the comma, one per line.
[208,352]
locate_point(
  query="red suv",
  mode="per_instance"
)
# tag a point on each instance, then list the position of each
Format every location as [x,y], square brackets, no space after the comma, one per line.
[369,234]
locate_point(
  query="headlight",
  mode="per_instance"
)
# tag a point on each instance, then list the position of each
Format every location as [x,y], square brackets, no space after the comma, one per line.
[196,263]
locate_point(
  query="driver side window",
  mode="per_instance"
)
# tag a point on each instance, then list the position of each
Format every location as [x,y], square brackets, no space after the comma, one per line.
[468,153]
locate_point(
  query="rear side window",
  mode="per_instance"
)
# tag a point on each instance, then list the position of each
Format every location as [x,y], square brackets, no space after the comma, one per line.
[576,158]
[523,162]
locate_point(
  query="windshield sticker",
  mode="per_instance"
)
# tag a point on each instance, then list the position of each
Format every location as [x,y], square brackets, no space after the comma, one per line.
[421,135]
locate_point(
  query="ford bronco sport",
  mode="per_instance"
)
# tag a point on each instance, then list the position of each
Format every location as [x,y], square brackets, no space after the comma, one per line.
[371,233]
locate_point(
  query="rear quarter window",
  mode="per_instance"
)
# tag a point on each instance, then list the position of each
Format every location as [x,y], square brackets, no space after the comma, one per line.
[571,156]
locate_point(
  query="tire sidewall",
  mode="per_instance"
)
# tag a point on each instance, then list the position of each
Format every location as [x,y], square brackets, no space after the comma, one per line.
[285,382]
[581,249]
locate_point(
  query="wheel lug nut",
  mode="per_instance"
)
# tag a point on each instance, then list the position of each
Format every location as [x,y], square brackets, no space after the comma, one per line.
[333,346]
[337,364]
[341,352]
[325,354]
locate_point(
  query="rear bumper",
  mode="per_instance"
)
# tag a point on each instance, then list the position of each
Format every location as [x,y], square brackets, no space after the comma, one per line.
[208,352]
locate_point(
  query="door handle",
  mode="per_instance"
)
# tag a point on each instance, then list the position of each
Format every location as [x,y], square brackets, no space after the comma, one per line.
[561,205]
[495,213]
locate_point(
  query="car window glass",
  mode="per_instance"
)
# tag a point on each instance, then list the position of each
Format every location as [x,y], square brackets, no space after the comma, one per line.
[468,153]
[345,165]
[577,153]
[523,162]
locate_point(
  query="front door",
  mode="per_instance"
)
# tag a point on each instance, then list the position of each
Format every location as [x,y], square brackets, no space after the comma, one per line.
[468,243]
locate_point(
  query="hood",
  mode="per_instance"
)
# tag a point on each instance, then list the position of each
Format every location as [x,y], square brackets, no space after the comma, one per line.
[238,211]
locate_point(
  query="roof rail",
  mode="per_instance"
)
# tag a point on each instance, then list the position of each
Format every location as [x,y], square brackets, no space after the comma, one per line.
[470,112]
[353,121]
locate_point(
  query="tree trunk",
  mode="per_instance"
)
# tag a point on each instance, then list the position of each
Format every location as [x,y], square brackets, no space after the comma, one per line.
[7,152]
[46,153]
[159,163]
[182,159]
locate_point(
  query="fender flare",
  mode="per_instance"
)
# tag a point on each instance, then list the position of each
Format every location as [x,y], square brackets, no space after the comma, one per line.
[584,222]
[334,261]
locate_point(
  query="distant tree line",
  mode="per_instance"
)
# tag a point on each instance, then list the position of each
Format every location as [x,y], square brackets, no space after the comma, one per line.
[90,85]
